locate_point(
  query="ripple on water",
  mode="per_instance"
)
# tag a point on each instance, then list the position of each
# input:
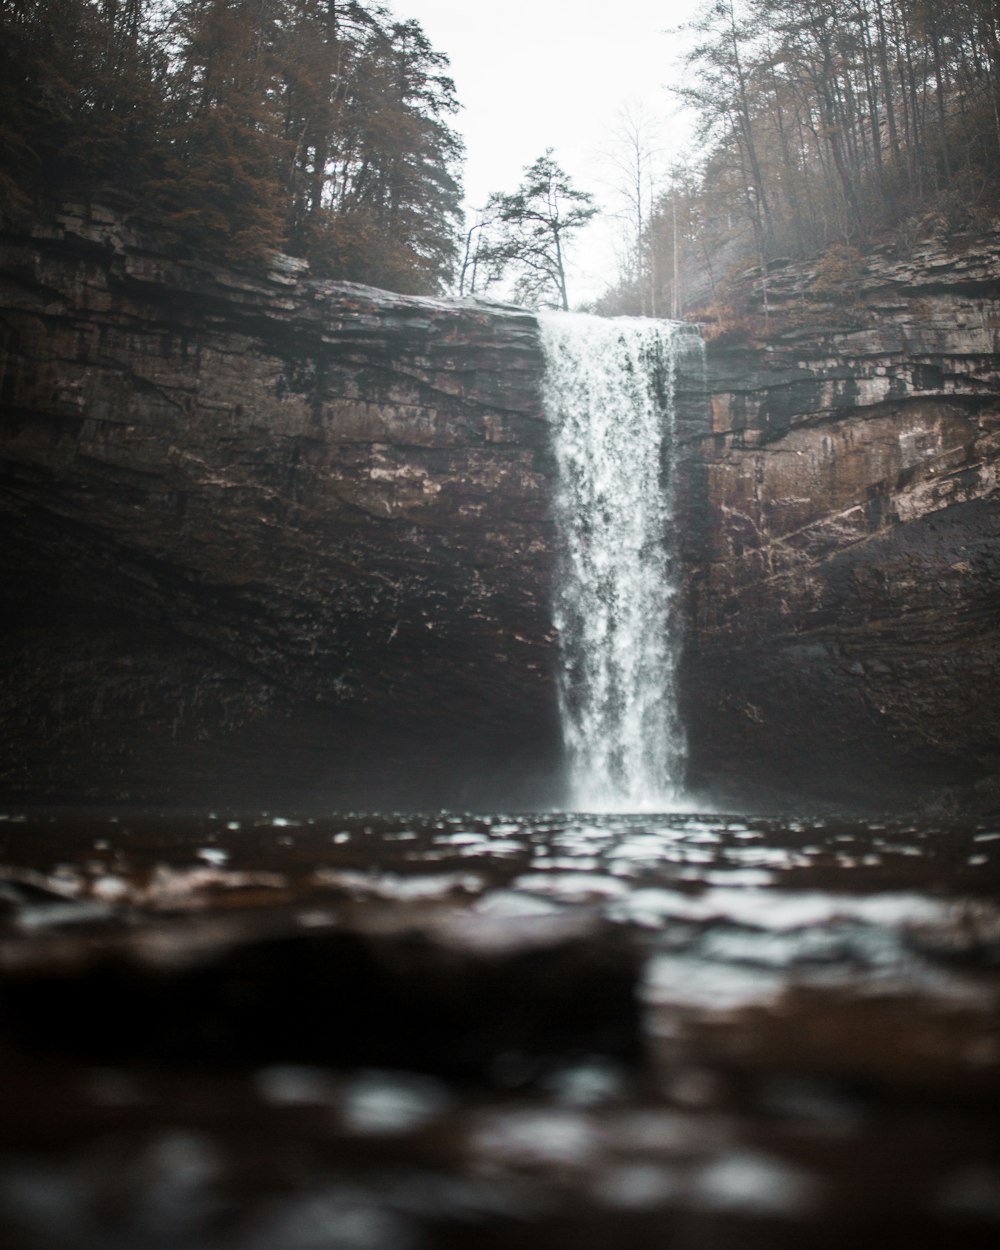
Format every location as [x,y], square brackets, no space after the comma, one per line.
[643,850]
[290,1085]
[787,909]
[380,1103]
[411,888]
[767,856]
[572,886]
[339,1218]
[703,986]
[639,1186]
[567,863]
[523,1139]
[753,1183]
[511,904]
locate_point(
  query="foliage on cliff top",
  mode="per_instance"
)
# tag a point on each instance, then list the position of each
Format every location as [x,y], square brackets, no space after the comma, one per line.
[822,123]
[525,233]
[320,127]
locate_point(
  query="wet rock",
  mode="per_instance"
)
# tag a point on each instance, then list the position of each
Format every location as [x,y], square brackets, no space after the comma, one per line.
[266,537]
[281,541]
[440,991]
[844,621]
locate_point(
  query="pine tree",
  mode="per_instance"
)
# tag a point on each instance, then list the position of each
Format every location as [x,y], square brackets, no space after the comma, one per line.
[532,227]
[220,188]
[239,127]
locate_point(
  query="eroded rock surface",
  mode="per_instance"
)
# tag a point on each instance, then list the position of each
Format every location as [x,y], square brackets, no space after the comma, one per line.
[265,537]
[281,540]
[845,639]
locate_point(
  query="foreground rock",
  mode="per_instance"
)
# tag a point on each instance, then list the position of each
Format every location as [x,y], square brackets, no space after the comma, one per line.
[380,1034]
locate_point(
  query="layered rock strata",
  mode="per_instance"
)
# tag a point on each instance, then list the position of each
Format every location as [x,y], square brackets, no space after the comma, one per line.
[275,540]
[265,536]
[845,634]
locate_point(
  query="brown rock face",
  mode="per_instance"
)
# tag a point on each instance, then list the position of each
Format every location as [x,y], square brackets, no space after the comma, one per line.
[274,540]
[845,640]
[282,541]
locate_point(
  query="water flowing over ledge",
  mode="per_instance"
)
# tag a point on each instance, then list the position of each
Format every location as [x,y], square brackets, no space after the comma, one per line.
[609,393]
[279,541]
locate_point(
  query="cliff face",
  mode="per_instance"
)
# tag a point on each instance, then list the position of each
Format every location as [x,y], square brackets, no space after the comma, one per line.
[265,538]
[844,637]
[284,541]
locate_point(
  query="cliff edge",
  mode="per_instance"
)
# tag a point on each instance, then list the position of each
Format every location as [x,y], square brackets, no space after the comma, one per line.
[268,539]
[272,540]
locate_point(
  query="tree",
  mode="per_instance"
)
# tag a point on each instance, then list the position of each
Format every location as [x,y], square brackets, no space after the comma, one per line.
[530,230]
[80,97]
[722,90]
[473,254]
[239,127]
[374,177]
[829,124]
[220,188]
[634,159]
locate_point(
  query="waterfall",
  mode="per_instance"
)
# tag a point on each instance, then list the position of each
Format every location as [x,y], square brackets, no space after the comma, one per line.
[609,396]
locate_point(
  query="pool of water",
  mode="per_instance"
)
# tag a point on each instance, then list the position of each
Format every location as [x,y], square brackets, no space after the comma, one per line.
[364,1031]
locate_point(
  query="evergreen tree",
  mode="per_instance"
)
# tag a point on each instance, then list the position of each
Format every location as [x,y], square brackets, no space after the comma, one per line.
[394,187]
[220,190]
[531,229]
[239,127]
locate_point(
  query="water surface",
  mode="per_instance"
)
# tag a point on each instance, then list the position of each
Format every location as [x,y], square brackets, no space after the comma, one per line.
[497,1030]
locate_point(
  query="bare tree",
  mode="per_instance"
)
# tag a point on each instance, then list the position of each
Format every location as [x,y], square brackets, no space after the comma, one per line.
[635,160]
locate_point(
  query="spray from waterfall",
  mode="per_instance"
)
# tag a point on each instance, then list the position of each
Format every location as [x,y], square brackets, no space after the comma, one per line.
[609,395]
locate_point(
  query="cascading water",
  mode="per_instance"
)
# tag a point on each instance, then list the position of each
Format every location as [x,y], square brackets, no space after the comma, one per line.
[609,394]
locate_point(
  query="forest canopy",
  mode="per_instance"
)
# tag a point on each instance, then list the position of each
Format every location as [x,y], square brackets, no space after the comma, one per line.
[823,127]
[325,129]
[240,127]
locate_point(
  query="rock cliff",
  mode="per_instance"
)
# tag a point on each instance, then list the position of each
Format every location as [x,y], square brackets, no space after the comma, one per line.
[274,540]
[267,540]
[845,636]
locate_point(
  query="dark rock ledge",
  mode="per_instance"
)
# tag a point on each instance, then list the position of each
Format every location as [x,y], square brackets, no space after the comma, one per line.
[274,540]
[268,538]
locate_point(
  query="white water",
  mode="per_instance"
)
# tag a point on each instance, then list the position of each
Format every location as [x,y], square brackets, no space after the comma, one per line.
[609,391]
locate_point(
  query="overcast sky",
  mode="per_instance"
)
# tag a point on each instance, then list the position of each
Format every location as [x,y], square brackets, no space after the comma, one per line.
[533,74]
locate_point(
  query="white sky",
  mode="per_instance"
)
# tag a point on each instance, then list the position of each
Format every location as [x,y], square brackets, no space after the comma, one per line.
[533,74]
